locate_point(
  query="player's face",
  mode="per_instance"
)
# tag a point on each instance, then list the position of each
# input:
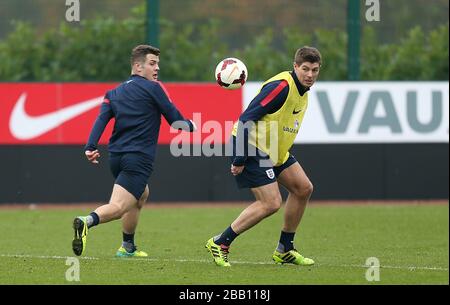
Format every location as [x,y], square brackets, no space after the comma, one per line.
[307,73]
[150,68]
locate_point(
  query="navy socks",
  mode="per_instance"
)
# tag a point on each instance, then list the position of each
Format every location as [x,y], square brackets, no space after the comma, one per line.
[286,242]
[128,242]
[92,220]
[226,238]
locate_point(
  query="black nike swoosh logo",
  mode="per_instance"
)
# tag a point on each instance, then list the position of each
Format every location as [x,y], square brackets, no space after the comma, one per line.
[295,112]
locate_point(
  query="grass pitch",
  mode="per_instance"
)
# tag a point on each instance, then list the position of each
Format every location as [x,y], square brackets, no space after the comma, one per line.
[410,241]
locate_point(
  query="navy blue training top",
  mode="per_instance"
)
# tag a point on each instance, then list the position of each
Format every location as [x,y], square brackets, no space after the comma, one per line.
[137,105]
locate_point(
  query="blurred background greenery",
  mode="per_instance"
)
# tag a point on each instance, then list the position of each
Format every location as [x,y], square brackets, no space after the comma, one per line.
[410,42]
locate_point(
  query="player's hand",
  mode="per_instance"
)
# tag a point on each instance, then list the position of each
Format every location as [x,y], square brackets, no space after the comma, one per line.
[92,156]
[236,170]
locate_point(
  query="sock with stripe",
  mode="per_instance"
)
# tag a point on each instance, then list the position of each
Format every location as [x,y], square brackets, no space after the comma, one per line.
[128,242]
[92,220]
[226,238]
[286,242]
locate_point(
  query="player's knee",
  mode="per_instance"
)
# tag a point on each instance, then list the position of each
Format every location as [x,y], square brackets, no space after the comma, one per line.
[304,192]
[308,190]
[272,204]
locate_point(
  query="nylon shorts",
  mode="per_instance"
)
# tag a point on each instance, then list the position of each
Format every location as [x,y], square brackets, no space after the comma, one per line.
[131,170]
[256,172]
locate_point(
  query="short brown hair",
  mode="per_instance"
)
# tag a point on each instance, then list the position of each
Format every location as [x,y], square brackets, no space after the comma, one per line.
[140,52]
[307,54]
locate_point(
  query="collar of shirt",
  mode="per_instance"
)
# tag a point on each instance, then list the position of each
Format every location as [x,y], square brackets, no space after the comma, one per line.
[135,75]
[301,89]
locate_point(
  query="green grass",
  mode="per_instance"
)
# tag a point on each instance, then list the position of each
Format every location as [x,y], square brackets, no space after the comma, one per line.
[410,241]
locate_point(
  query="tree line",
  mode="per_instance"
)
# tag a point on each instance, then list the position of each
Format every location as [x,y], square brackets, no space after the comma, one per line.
[98,50]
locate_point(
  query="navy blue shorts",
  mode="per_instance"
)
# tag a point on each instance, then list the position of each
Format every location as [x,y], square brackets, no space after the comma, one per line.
[131,171]
[254,174]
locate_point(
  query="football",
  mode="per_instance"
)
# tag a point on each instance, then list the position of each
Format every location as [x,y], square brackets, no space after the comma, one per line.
[231,73]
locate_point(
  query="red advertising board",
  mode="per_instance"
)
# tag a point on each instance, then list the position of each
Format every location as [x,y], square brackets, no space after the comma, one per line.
[64,113]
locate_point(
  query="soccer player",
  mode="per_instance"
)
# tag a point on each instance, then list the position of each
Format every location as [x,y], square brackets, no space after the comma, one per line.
[136,105]
[269,126]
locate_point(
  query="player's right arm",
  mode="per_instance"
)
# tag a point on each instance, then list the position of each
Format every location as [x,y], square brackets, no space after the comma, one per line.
[90,150]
